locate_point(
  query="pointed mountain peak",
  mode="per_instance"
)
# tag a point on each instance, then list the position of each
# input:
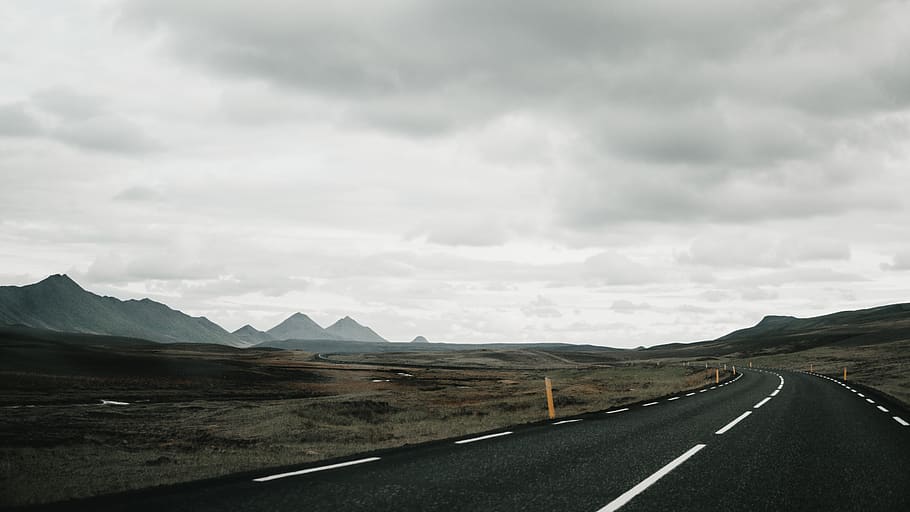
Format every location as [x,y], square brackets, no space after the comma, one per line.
[252,334]
[299,326]
[348,329]
[59,281]
[299,317]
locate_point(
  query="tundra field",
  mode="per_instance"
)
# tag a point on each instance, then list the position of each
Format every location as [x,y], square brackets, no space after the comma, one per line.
[194,411]
[88,415]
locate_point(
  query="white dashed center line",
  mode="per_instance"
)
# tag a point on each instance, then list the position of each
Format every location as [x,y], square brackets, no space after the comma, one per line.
[775,392]
[733,423]
[618,410]
[763,402]
[900,420]
[649,404]
[690,394]
[648,482]
[674,398]
[880,408]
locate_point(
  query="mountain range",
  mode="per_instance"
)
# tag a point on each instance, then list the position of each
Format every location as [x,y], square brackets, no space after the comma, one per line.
[58,303]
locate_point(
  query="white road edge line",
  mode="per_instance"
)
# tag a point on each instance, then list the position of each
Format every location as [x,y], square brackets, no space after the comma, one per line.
[482,438]
[313,470]
[775,392]
[702,391]
[674,398]
[649,404]
[563,422]
[763,402]
[733,423]
[648,482]
[618,410]
[900,420]
[690,394]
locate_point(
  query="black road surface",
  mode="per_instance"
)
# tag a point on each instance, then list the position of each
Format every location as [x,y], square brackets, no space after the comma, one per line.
[802,442]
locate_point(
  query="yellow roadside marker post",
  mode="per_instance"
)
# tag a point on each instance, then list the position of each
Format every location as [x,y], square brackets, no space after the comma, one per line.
[734,369]
[845,373]
[717,376]
[550,407]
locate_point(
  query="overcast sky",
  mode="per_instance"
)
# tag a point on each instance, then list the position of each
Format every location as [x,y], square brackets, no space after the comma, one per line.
[617,173]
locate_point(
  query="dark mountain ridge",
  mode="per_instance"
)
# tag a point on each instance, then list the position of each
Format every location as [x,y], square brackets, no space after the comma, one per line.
[57,303]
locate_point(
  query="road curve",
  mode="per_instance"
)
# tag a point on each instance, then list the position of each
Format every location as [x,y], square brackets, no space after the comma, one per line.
[771,440]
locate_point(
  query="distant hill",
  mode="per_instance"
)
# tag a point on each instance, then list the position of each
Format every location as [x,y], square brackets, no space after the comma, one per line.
[252,335]
[300,327]
[843,322]
[779,334]
[57,303]
[348,329]
[420,339]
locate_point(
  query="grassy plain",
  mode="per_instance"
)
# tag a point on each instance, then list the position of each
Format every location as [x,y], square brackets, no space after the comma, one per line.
[883,366]
[204,411]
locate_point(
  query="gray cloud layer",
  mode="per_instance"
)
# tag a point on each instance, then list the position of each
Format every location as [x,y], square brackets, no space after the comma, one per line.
[625,172]
[695,111]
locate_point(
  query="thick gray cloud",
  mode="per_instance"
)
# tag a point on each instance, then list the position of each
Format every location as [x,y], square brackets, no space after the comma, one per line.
[685,110]
[107,133]
[754,250]
[17,121]
[68,104]
[900,261]
[75,119]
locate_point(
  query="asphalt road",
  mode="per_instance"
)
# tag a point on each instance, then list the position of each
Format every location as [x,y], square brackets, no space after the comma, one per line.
[772,440]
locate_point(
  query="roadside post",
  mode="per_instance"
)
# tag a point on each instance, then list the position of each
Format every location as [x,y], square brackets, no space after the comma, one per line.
[845,373]
[550,407]
[717,375]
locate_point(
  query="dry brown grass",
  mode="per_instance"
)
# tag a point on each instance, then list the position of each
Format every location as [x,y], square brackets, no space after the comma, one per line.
[883,366]
[57,451]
